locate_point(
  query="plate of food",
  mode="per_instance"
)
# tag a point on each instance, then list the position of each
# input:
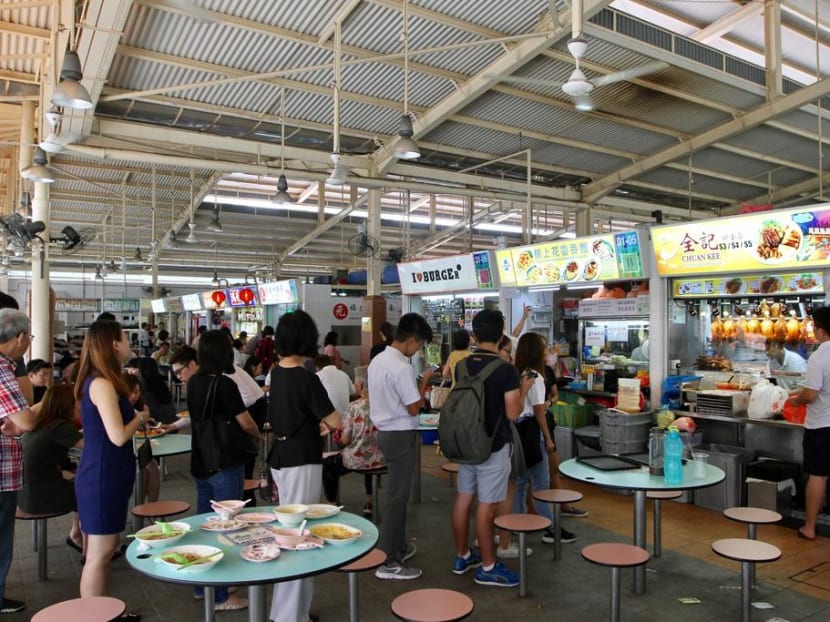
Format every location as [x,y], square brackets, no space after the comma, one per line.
[260,552]
[571,271]
[551,272]
[214,523]
[322,510]
[149,432]
[335,533]
[183,414]
[804,281]
[191,559]
[534,274]
[591,270]
[769,285]
[733,286]
[524,260]
[257,517]
[778,241]
[602,249]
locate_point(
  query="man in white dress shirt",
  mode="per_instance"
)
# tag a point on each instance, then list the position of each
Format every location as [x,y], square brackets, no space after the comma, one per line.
[335,381]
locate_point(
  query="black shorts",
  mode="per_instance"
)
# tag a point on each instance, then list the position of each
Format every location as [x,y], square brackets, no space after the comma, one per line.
[817,452]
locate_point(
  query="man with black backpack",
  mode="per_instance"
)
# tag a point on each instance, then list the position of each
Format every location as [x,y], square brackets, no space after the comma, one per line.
[503,399]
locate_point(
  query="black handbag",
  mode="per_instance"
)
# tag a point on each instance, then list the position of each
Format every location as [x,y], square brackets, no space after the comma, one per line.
[221,440]
[145,451]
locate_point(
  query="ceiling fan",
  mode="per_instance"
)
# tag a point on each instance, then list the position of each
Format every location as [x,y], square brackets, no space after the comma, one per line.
[578,86]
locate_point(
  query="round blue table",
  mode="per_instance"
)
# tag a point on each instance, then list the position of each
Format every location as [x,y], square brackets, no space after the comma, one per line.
[233,570]
[165,445]
[640,481]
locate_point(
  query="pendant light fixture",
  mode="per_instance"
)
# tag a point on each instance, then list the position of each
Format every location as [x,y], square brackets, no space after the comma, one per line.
[339,172]
[405,148]
[70,93]
[215,281]
[38,172]
[215,224]
[191,237]
[137,255]
[282,197]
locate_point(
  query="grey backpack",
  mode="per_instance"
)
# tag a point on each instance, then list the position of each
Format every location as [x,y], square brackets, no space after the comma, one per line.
[461,430]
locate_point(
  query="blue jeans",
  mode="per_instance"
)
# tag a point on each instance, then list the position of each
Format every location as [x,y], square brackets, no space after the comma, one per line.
[538,476]
[225,484]
[8,505]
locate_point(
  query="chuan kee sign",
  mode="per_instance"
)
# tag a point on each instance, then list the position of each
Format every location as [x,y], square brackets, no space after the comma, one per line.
[433,276]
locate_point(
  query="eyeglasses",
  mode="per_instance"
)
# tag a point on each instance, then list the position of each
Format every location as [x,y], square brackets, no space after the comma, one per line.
[31,337]
[176,372]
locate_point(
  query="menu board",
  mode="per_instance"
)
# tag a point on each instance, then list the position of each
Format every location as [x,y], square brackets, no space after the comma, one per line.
[76,304]
[793,238]
[158,305]
[121,305]
[192,302]
[279,292]
[235,301]
[174,304]
[593,259]
[484,275]
[750,285]
[207,299]
[504,261]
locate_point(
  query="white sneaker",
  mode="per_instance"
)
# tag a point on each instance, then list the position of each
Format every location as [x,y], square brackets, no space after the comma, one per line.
[397,571]
[512,552]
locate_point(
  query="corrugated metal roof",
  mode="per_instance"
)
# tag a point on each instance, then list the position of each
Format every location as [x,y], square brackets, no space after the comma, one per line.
[787,146]
[491,13]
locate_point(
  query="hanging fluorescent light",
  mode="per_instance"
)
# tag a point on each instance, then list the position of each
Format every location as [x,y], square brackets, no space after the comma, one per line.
[405,147]
[339,172]
[38,172]
[70,93]
[191,237]
[282,197]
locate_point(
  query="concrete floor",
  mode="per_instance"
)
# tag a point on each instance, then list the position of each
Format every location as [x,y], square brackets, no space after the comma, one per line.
[797,586]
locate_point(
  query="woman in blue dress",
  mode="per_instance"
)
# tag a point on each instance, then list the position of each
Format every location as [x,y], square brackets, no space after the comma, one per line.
[106,473]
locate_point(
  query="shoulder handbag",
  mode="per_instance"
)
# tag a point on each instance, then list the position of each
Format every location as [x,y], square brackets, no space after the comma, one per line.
[222,442]
[145,451]
[438,396]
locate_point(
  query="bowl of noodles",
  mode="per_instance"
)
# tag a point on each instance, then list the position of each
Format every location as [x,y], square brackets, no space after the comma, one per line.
[178,558]
[164,534]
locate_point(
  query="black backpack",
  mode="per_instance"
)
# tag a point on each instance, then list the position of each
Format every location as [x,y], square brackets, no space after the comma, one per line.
[461,429]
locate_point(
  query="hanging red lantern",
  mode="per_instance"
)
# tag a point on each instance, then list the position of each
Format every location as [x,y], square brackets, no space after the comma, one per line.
[246,295]
[218,297]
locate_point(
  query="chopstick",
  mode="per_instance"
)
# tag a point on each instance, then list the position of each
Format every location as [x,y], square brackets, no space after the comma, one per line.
[200,559]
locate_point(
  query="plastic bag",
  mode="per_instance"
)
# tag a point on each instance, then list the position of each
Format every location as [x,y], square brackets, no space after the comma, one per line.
[766,400]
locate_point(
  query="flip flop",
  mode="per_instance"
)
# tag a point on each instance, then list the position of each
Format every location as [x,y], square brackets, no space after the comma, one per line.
[72,545]
[802,535]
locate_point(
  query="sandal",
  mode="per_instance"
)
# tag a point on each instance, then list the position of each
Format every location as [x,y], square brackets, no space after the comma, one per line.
[73,545]
[234,603]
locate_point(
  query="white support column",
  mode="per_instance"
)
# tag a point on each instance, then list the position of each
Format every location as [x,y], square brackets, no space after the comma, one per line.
[583,222]
[772,48]
[373,264]
[41,311]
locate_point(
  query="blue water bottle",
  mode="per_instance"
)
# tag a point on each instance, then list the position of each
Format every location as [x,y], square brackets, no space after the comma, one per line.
[673,462]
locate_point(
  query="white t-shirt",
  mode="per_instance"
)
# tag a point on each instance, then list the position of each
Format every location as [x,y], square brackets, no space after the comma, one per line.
[248,387]
[338,385]
[534,397]
[792,363]
[392,385]
[818,379]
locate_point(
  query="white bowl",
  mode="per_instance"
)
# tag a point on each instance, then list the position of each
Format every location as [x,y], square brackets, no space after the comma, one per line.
[192,551]
[336,533]
[153,537]
[289,536]
[228,508]
[292,514]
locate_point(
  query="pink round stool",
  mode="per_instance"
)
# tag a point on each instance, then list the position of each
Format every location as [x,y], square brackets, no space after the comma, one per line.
[615,555]
[556,497]
[432,605]
[91,609]
[522,524]
[370,561]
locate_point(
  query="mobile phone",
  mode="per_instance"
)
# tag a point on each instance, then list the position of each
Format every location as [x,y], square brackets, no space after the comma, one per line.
[530,373]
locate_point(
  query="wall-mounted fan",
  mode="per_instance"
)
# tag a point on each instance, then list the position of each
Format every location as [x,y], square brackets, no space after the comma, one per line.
[162,291]
[363,245]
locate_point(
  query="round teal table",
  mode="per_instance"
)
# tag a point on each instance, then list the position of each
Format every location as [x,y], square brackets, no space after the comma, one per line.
[165,445]
[640,481]
[233,570]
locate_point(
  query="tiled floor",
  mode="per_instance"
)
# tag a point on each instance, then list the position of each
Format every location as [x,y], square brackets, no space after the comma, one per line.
[798,585]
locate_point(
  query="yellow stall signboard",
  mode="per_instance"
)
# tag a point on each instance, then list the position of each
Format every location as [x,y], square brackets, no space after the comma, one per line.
[773,240]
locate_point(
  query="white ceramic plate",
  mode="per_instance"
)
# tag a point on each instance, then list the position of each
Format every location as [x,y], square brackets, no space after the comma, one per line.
[219,525]
[321,510]
[260,552]
[256,517]
[335,533]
